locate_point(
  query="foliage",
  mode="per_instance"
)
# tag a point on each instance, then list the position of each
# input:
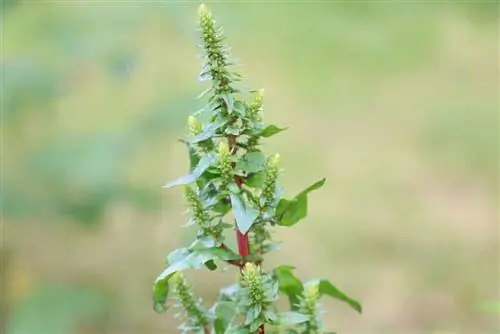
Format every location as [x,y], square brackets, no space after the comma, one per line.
[230,173]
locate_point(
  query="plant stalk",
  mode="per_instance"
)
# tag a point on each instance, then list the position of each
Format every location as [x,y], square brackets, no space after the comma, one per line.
[242,239]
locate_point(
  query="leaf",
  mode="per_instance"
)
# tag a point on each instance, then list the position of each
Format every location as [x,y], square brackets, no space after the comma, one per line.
[201,167]
[256,180]
[240,329]
[327,288]
[229,100]
[194,158]
[205,92]
[239,108]
[160,294]
[182,259]
[225,312]
[292,318]
[270,130]
[252,162]
[289,212]
[245,215]
[209,131]
[289,285]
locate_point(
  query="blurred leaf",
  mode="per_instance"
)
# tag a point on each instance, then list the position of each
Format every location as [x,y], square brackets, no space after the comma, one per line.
[209,131]
[271,130]
[289,285]
[202,166]
[57,309]
[252,162]
[327,288]
[194,257]
[292,318]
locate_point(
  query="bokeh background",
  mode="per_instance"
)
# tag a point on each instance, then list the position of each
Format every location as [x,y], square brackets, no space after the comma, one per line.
[395,103]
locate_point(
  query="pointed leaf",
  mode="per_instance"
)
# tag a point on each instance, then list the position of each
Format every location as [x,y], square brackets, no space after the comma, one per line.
[229,100]
[289,212]
[209,131]
[194,158]
[327,288]
[289,285]
[252,162]
[244,214]
[292,318]
[270,130]
[225,312]
[205,92]
[201,167]
[160,294]
[182,259]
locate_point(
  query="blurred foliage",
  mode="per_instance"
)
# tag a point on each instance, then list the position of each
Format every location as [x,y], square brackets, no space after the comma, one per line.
[59,309]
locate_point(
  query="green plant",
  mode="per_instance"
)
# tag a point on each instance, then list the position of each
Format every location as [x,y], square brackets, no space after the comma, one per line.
[229,173]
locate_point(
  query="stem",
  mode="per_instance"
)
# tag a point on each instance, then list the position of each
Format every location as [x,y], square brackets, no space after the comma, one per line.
[242,239]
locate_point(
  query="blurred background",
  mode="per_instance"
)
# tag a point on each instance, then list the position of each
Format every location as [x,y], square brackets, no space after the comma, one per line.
[395,103]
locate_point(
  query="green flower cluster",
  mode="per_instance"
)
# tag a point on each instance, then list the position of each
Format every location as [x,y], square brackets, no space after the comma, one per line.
[310,307]
[225,164]
[215,54]
[200,215]
[194,312]
[269,188]
[257,293]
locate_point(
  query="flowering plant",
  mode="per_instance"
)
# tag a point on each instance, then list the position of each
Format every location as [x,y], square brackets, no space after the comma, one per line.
[230,174]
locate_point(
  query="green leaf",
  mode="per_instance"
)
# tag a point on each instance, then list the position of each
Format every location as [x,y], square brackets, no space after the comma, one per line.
[225,312]
[270,130]
[204,93]
[194,158]
[256,180]
[209,131]
[211,265]
[201,167]
[244,214]
[240,329]
[228,98]
[289,212]
[182,259]
[289,285]
[239,108]
[160,294]
[292,318]
[252,162]
[327,288]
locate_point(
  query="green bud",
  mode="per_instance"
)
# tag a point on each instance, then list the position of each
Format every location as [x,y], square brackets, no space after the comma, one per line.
[256,106]
[272,172]
[200,215]
[225,162]
[204,12]
[195,127]
[223,149]
[252,280]
[196,314]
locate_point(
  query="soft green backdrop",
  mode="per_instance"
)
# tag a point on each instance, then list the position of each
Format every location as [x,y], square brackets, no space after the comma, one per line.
[395,103]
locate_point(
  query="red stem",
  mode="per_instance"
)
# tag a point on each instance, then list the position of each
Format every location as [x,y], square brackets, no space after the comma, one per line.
[242,239]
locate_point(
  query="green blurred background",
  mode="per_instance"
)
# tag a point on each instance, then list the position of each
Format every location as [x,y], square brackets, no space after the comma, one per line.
[395,103]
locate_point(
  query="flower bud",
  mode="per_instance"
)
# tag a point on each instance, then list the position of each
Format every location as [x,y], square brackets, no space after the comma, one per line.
[196,315]
[272,171]
[225,165]
[194,125]
[200,215]
[252,280]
